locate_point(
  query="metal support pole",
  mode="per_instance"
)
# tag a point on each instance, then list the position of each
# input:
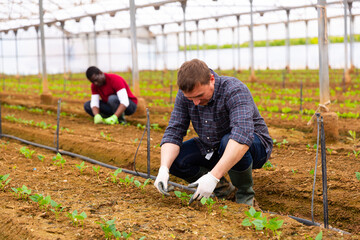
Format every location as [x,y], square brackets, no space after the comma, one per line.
[307,46]
[287,40]
[238,40]
[178,52]
[204,48]
[17,58]
[324,175]
[135,71]
[164,46]
[345,42]
[37,29]
[323,53]
[88,45]
[267,46]
[109,49]
[2,62]
[218,48]
[45,87]
[233,49]
[62,23]
[149,55]
[148,142]
[183,5]
[351,35]
[58,125]
[95,45]
[197,39]
[252,72]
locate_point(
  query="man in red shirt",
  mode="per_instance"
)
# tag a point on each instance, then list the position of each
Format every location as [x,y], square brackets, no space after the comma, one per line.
[116,101]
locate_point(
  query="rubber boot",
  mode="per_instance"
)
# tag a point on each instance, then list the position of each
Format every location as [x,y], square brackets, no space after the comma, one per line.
[225,190]
[243,181]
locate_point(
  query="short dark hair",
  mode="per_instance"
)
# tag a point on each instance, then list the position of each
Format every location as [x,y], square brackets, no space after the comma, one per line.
[191,73]
[91,71]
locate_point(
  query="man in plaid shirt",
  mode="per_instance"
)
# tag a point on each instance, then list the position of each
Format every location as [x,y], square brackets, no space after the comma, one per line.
[233,137]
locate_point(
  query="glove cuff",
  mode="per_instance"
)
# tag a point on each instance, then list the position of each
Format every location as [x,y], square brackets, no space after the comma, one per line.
[213,177]
[164,168]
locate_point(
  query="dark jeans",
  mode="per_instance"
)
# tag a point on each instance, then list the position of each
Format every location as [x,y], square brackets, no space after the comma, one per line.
[109,108]
[189,160]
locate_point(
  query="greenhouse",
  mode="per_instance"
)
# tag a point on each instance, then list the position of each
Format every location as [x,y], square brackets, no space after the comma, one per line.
[109,129]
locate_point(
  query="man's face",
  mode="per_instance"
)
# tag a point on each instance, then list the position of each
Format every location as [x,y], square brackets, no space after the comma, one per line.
[98,79]
[201,94]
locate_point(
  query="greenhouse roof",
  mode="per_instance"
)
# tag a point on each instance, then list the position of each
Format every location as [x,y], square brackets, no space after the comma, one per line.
[158,17]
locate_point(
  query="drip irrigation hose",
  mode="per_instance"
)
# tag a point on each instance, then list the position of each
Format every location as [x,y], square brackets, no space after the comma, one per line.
[324,175]
[316,163]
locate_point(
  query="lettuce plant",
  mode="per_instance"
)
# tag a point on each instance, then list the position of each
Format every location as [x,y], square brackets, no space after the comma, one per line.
[4,181]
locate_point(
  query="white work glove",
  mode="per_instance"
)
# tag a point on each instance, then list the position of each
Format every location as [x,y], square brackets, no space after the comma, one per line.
[205,187]
[161,182]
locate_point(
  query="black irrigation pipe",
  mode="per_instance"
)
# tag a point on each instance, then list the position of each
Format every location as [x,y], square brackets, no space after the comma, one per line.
[140,174]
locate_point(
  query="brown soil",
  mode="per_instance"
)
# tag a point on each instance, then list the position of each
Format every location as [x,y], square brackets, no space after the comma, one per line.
[286,189]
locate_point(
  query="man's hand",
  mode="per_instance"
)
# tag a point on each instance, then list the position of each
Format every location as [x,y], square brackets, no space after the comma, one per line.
[161,182]
[205,186]
[111,120]
[98,119]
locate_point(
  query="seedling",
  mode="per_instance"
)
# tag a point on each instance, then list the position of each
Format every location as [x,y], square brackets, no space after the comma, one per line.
[268,166]
[223,209]
[141,186]
[26,152]
[113,175]
[353,136]
[127,181]
[77,218]
[106,136]
[96,169]
[185,198]
[356,153]
[41,158]
[22,193]
[308,146]
[81,167]
[57,209]
[318,237]
[294,171]
[209,202]
[329,150]
[312,172]
[260,222]
[4,181]
[44,202]
[110,230]
[58,160]
[357,174]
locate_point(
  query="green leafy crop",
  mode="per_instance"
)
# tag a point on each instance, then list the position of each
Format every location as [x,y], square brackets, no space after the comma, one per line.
[209,202]
[77,218]
[26,152]
[259,222]
[4,181]
[22,193]
[58,160]
[185,198]
[110,230]
[81,167]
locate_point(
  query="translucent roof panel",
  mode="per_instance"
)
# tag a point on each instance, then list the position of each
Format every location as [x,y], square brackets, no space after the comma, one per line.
[110,15]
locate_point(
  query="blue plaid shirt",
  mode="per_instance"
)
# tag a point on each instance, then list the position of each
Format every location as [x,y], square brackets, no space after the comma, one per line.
[230,110]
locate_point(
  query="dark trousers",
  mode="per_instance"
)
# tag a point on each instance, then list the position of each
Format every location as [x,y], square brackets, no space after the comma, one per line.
[188,162]
[109,108]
